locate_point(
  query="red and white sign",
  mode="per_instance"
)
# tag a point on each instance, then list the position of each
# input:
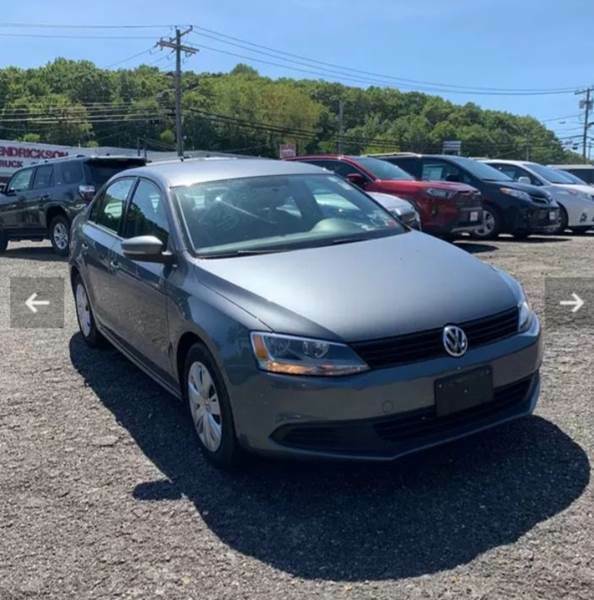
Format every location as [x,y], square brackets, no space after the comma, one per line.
[15,155]
[288,151]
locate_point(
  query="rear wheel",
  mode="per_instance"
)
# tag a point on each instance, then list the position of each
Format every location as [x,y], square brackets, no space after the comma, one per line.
[3,241]
[210,409]
[84,315]
[491,224]
[59,232]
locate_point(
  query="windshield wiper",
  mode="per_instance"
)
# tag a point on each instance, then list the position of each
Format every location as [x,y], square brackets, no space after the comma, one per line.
[233,253]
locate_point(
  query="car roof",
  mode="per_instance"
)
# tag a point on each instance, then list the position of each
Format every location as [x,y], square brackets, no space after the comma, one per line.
[175,173]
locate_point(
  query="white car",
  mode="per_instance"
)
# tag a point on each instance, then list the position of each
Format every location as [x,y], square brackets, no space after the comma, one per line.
[576,199]
[399,207]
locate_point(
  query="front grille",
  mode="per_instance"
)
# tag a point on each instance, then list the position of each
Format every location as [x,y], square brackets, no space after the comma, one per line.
[428,344]
[468,200]
[409,430]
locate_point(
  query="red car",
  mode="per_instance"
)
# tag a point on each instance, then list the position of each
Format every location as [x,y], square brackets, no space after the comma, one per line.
[445,207]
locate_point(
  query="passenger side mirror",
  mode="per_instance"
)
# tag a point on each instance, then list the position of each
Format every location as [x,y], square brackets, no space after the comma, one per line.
[146,248]
[524,179]
[356,179]
[87,192]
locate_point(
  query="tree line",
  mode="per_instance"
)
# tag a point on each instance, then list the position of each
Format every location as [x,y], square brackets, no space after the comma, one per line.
[77,103]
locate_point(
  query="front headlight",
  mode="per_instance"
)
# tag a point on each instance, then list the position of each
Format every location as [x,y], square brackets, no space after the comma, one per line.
[526,314]
[516,193]
[292,355]
[439,193]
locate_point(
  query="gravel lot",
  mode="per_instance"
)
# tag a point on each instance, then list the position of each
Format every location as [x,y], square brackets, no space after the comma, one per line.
[104,494]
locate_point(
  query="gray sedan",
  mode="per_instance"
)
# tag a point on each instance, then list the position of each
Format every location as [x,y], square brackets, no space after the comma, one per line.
[295,316]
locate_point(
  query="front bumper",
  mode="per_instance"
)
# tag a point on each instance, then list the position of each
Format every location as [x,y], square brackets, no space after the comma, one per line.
[384,413]
[540,220]
[459,220]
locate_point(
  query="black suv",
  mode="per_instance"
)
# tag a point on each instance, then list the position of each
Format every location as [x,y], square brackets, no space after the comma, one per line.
[508,206]
[40,201]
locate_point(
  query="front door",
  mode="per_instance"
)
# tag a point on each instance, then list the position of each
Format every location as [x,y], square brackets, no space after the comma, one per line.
[32,215]
[141,287]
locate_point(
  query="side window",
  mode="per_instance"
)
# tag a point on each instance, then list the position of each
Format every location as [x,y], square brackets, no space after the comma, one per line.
[71,172]
[110,207]
[21,181]
[437,170]
[343,169]
[410,165]
[44,177]
[147,214]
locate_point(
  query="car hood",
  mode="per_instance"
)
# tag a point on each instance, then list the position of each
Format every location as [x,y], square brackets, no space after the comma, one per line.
[586,189]
[533,190]
[414,185]
[390,202]
[362,290]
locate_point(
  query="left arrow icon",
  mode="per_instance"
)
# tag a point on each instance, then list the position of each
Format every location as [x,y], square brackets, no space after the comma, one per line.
[32,302]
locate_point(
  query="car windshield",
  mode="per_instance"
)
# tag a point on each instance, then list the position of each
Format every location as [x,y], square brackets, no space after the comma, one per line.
[551,175]
[382,169]
[102,170]
[277,213]
[479,170]
[575,180]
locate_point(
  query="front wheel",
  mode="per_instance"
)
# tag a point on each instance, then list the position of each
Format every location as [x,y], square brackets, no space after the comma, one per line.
[3,241]
[563,221]
[491,225]
[59,232]
[210,409]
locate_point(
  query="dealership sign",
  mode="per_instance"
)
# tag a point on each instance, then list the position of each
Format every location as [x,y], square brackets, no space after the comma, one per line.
[15,155]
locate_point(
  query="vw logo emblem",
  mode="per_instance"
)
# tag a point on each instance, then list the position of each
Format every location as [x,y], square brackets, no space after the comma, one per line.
[455,341]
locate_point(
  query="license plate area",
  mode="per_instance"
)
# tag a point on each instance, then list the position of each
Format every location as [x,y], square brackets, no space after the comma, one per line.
[474,216]
[463,391]
[552,215]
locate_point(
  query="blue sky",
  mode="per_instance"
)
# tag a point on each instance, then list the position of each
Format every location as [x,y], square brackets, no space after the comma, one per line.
[540,44]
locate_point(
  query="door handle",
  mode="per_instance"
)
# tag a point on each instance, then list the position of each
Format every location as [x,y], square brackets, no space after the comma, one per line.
[114,265]
[84,245]
[45,197]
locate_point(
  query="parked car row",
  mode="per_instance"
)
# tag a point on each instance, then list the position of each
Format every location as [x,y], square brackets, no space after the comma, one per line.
[441,194]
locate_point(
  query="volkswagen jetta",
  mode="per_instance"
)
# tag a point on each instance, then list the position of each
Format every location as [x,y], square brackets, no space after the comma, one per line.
[291,327]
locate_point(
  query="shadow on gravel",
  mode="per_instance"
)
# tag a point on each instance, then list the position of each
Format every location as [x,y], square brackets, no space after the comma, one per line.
[350,522]
[535,240]
[475,247]
[45,254]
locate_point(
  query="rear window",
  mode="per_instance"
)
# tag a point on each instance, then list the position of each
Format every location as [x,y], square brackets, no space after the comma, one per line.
[98,172]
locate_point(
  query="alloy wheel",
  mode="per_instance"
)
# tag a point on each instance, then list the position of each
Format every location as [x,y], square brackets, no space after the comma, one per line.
[489,224]
[60,236]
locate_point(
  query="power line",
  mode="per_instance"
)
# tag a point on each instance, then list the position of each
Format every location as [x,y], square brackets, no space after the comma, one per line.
[128,58]
[71,26]
[279,54]
[75,37]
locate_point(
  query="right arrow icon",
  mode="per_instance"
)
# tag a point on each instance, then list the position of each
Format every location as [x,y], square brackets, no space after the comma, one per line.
[576,303]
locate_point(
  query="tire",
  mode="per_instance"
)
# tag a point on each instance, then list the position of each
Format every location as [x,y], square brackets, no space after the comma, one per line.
[564,221]
[208,403]
[59,234]
[84,315]
[3,241]
[492,224]
[580,230]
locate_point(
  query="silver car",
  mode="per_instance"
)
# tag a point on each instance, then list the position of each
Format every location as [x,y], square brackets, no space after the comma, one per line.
[295,316]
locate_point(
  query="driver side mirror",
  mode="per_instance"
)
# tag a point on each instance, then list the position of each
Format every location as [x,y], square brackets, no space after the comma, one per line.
[356,179]
[146,248]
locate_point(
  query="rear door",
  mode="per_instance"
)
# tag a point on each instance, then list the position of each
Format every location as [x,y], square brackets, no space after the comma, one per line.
[12,203]
[34,206]
[99,235]
[140,288]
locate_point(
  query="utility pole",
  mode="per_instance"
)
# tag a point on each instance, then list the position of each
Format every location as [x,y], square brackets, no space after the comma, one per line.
[587,106]
[340,125]
[175,43]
